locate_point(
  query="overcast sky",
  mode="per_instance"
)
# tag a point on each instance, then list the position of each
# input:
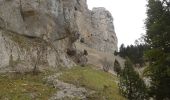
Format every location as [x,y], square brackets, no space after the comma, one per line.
[129,16]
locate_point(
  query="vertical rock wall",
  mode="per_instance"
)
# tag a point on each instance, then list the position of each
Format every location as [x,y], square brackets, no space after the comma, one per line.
[42,31]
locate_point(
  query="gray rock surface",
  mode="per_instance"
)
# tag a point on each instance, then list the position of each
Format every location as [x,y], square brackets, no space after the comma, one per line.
[39,32]
[66,90]
[104,35]
[97,29]
[21,53]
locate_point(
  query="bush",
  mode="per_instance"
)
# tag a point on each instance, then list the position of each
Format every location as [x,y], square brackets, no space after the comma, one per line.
[82,40]
[117,67]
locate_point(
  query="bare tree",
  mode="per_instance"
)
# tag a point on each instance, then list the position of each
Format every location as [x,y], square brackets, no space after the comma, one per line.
[106,64]
[37,61]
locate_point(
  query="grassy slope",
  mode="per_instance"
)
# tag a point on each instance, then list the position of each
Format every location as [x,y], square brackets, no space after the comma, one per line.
[24,87]
[31,87]
[102,82]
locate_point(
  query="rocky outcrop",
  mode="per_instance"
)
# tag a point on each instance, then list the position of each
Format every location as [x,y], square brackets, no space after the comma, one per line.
[40,32]
[97,30]
[21,53]
[104,35]
[66,90]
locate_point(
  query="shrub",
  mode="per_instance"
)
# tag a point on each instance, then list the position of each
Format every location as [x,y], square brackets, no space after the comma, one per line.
[117,67]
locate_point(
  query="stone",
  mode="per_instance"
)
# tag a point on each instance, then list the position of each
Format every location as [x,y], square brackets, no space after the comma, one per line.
[41,31]
[66,89]
[23,52]
[97,29]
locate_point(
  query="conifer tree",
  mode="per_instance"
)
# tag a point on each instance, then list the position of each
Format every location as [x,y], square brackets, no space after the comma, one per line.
[131,85]
[158,38]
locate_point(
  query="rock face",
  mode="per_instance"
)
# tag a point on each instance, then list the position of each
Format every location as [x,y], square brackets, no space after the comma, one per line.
[39,32]
[97,30]
[104,33]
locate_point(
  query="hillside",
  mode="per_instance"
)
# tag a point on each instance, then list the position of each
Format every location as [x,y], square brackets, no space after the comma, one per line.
[77,83]
[41,42]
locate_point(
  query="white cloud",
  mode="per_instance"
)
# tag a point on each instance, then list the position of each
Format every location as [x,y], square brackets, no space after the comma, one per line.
[129,16]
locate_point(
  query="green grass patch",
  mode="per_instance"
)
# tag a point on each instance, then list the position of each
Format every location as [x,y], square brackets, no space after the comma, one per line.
[103,83]
[24,87]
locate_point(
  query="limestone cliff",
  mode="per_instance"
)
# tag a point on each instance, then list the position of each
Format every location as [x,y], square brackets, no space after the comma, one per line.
[44,32]
[97,30]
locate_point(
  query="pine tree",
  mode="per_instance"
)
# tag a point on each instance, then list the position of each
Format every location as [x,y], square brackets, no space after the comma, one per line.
[158,38]
[131,85]
[134,53]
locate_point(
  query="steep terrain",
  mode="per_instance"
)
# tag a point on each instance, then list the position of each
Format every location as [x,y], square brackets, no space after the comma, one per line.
[46,36]
[44,33]
[77,83]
